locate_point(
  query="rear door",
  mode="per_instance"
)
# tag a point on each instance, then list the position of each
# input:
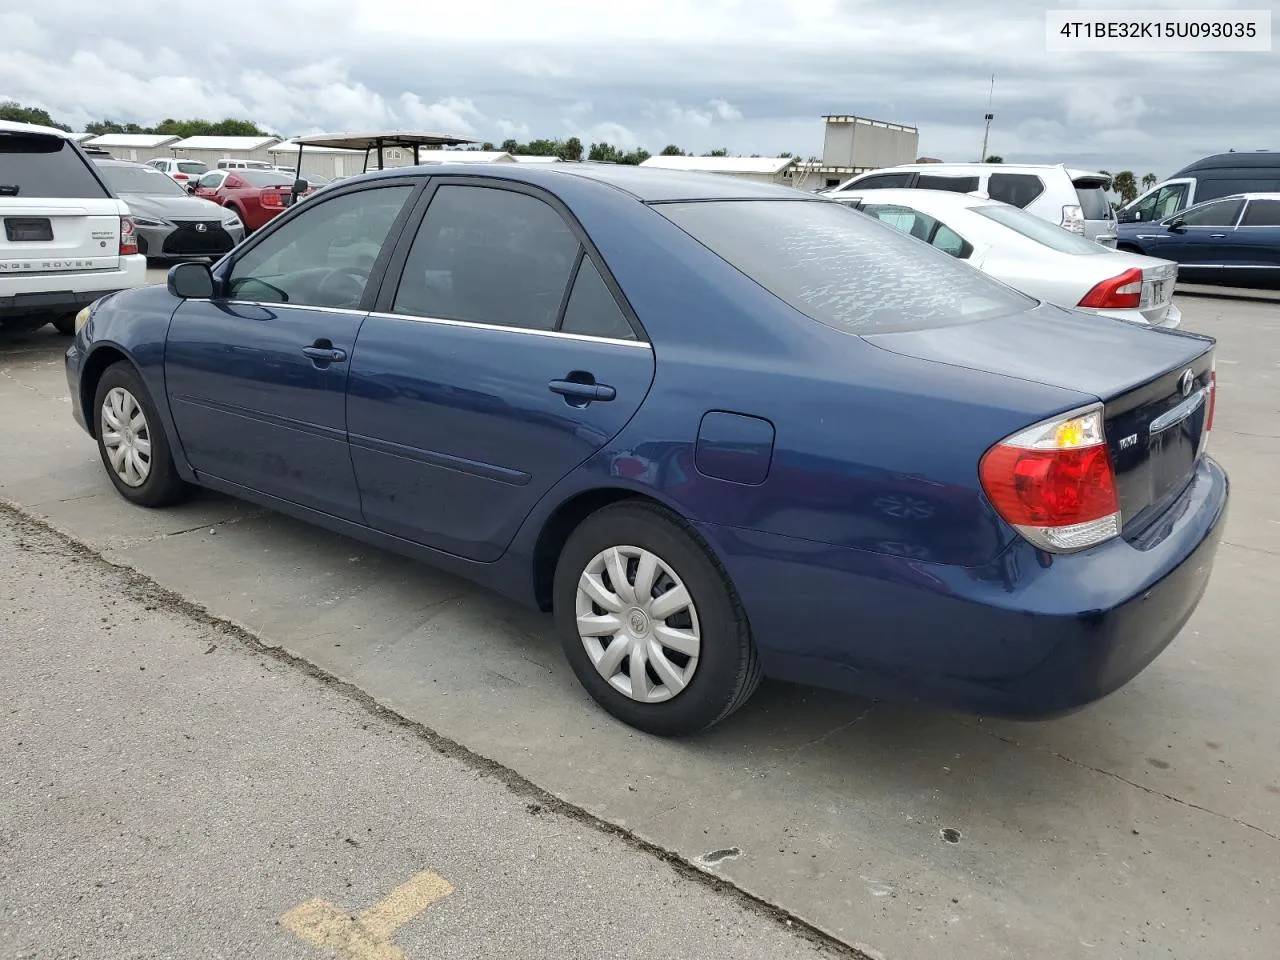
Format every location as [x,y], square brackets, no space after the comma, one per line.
[499,358]
[58,216]
[1256,241]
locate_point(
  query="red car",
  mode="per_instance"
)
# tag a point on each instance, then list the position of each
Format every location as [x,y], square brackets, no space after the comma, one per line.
[256,196]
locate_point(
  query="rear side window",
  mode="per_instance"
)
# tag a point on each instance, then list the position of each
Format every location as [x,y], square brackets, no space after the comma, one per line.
[933,181]
[1262,213]
[1041,231]
[592,310]
[1094,203]
[41,166]
[1018,189]
[848,272]
[1222,213]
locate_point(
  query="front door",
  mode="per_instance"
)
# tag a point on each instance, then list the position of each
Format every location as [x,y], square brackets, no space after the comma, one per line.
[1202,237]
[500,360]
[257,377]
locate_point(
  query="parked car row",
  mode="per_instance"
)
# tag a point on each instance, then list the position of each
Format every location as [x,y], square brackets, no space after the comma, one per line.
[719,429]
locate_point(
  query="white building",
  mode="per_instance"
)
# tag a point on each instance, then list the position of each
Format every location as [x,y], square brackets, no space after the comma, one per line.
[530,158]
[760,169]
[210,149]
[465,156]
[853,145]
[139,147]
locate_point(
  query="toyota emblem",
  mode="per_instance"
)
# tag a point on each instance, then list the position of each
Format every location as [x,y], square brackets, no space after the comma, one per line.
[201,228]
[1187,382]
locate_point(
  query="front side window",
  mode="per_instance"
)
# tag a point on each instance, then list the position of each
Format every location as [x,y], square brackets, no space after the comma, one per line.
[487,255]
[324,256]
[848,272]
[1261,213]
[1221,213]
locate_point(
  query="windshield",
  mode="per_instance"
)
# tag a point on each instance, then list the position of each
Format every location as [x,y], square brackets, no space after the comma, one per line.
[1041,231]
[142,180]
[264,178]
[849,272]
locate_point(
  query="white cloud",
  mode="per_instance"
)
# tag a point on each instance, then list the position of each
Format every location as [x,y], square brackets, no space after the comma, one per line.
[725,110]
[579,108]
[511,130]
[1102,105]
[450,115]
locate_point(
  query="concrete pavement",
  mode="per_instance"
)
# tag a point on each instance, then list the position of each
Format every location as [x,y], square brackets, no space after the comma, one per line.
[1145,826]
[171,790]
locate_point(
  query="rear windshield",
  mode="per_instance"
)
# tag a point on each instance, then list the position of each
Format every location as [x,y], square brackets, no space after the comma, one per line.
[264,178]
[1041,231]
[192,166]
[143,180]
[842,268]
[44,167]
[1094,203]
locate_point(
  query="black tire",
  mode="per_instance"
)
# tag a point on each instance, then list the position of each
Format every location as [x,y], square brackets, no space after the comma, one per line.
[727,670]
[65,325]
[162,486]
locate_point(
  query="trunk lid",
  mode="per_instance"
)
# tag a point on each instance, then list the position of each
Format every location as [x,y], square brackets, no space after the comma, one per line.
[1154,385]
[56,215]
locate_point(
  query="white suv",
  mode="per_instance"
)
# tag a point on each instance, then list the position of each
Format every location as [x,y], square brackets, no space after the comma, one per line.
[66,241]
[1073,199]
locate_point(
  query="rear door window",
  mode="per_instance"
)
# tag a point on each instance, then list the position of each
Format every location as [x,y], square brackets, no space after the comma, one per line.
[34,166]
[1261,213]
[848,272]
[487,255]
[1018,189]
[956,184]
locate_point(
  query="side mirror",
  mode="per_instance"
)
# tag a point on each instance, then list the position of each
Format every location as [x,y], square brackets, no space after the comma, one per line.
[192,187]
[1176,225]
[300,187]
[190,281]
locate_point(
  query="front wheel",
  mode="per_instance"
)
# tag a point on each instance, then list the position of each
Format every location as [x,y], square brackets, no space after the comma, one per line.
[650,622]
[131,440]
[65,324]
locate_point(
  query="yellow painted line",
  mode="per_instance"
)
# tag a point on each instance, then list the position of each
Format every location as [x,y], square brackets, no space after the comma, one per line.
[367,935]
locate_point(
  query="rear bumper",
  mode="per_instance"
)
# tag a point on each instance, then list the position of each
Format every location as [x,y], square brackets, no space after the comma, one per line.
[1172,317]
[1027,636]
[59,293]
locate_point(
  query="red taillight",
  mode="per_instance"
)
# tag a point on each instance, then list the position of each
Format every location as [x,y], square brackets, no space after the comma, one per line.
[180,176]
[1054,482]
[128,237]
[1213,400]
[272,198]
[1119,293]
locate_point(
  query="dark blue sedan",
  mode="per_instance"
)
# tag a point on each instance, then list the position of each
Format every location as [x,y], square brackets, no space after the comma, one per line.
[721,429]
[1233,240]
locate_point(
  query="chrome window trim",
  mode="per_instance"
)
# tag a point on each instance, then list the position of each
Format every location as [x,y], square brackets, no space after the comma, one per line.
[473,325]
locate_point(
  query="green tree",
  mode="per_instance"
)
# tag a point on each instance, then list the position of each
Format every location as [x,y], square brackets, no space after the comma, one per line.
[721,152]
[994,158]
[785,156]
[604,153]
[488,147]
[1124,184]
[571,149]
[1149,180]
[16,113]
[671,150]
[510,146]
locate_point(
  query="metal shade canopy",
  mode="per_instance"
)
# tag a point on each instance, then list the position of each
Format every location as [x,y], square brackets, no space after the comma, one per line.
[416,139]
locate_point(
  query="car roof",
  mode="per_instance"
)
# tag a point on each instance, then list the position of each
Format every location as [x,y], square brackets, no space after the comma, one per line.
[1258,195]
[1220,161]
[647,184]
[906,195]
[12,126]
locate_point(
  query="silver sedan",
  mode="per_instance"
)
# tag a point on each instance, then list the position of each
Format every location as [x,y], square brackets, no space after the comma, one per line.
[171,224]
[1030,254]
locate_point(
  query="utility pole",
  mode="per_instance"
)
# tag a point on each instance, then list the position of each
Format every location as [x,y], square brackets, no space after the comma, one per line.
[989,117]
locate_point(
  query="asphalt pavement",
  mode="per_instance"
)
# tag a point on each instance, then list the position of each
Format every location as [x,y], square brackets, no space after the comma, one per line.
[1146,826]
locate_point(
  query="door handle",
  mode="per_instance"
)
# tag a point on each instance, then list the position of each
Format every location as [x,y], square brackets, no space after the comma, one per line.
[1216,236]
[576,390]
[325,354]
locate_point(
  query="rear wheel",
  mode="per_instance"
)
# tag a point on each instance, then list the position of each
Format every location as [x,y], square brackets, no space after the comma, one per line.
[131,440]
[650,622]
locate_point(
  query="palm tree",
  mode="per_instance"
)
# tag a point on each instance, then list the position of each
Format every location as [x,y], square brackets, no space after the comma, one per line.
[1125,184]
[1149,180]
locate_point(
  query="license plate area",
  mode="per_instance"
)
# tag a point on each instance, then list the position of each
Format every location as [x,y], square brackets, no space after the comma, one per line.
[28,229]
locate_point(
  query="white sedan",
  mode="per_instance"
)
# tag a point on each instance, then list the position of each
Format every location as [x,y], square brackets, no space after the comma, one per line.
[1030,254]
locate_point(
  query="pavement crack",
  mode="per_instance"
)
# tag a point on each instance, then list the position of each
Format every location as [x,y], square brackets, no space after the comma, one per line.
[4,372]
[1245,546]
[1115,776]
[834,730]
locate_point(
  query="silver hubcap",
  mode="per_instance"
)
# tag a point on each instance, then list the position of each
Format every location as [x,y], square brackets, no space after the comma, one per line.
[638,624]
[126,437]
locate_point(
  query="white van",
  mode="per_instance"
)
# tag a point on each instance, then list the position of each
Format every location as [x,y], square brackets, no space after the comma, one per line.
[1073,199]
[229,164]
[66,241]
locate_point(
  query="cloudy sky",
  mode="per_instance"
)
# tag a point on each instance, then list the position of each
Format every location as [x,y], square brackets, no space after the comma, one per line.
[750,75]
